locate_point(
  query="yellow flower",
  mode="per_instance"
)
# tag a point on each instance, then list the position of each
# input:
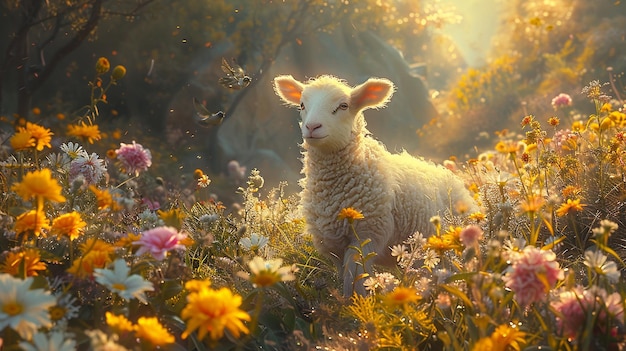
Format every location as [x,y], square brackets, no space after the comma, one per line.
[96,254]
[477,216]
[34,221]
[401,296]
[350,214]
[532,204]
[128,240]
[68,224]
[42,135]
[440,244]
[149,329]
[39,185]
[119,323]
[102,65]
[103,198]
[570,206]
[28,261]
[211,311]
[118,72]
[508,338]
[89,133]
[22,140]
[173,218]
[578,126]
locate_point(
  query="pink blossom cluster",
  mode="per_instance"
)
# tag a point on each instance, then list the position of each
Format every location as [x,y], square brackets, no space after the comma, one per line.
[574,306]
[470,235]
[159,241]
[561,100]
[533,273]
[134,158]
[561,137]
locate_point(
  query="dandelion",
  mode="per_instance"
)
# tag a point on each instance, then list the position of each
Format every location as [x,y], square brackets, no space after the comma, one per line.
[561,100]
[134,158]
[119,323]
[42,135]
[254,243]
[55,340]
[211,311]
[40,185]
[571,206]
[22,309]
[28,261]
[32,221]
[159,241]
[22,140]
[401,296]
[267,273]
[350,214]
[91,168]
[89,133]
[533,273]
[69,225]
[598,263]
[120,282]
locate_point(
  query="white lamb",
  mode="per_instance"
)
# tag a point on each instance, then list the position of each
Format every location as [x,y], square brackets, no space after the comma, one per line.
[345,167]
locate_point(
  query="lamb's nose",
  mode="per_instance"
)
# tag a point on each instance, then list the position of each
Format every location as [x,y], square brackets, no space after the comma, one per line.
[313,126]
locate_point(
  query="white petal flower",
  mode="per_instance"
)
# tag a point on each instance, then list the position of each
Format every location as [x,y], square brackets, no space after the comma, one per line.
[119,282]
[254,242]
[57,341]
[21,308]
[74,150]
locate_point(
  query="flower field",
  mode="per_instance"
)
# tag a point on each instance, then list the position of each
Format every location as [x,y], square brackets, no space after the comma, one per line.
[93,258]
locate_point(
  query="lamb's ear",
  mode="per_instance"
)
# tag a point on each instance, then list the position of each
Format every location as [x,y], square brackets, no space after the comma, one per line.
[288,89]
[374,93]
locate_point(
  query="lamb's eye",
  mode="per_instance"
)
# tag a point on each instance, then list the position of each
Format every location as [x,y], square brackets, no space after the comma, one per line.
[342,106]
[301,106]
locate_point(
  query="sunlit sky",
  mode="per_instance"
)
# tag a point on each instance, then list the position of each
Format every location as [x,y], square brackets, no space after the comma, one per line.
[473,35]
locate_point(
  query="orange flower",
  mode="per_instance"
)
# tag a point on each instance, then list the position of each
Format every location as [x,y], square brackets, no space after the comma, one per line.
[42,135]
[103,198]
[401,296]
[96,254]
[27,260]
[69,224]
[571,206]
[102,65]
[149,329]
[350,214]
[82,131]
[34,221]
[39,185]
[532,204]
[119,323]
[22,140]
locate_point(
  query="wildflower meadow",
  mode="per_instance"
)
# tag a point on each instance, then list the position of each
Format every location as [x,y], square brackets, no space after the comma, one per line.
[99,253]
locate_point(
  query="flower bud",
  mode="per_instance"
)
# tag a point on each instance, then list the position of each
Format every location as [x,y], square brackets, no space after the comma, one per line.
[118,72]
[102,66]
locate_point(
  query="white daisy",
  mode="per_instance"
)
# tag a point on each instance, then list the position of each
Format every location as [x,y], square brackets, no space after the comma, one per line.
[597,261]
[22,309]
[254,242]
[58,341]
[119,282]
[74,150]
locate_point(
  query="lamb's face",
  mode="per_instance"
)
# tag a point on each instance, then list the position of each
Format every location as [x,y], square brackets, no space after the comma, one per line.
[326,119]
[328,107]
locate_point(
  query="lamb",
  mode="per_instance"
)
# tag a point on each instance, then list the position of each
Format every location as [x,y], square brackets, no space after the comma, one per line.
[344,167]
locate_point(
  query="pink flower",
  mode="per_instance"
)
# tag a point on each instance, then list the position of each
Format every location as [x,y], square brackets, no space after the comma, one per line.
[159,241]
[576,304]
[470,235]
[533,273]
[561,100]
[134,158]
[90,167]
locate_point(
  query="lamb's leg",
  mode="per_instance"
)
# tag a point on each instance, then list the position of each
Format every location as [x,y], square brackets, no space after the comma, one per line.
[356,261]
